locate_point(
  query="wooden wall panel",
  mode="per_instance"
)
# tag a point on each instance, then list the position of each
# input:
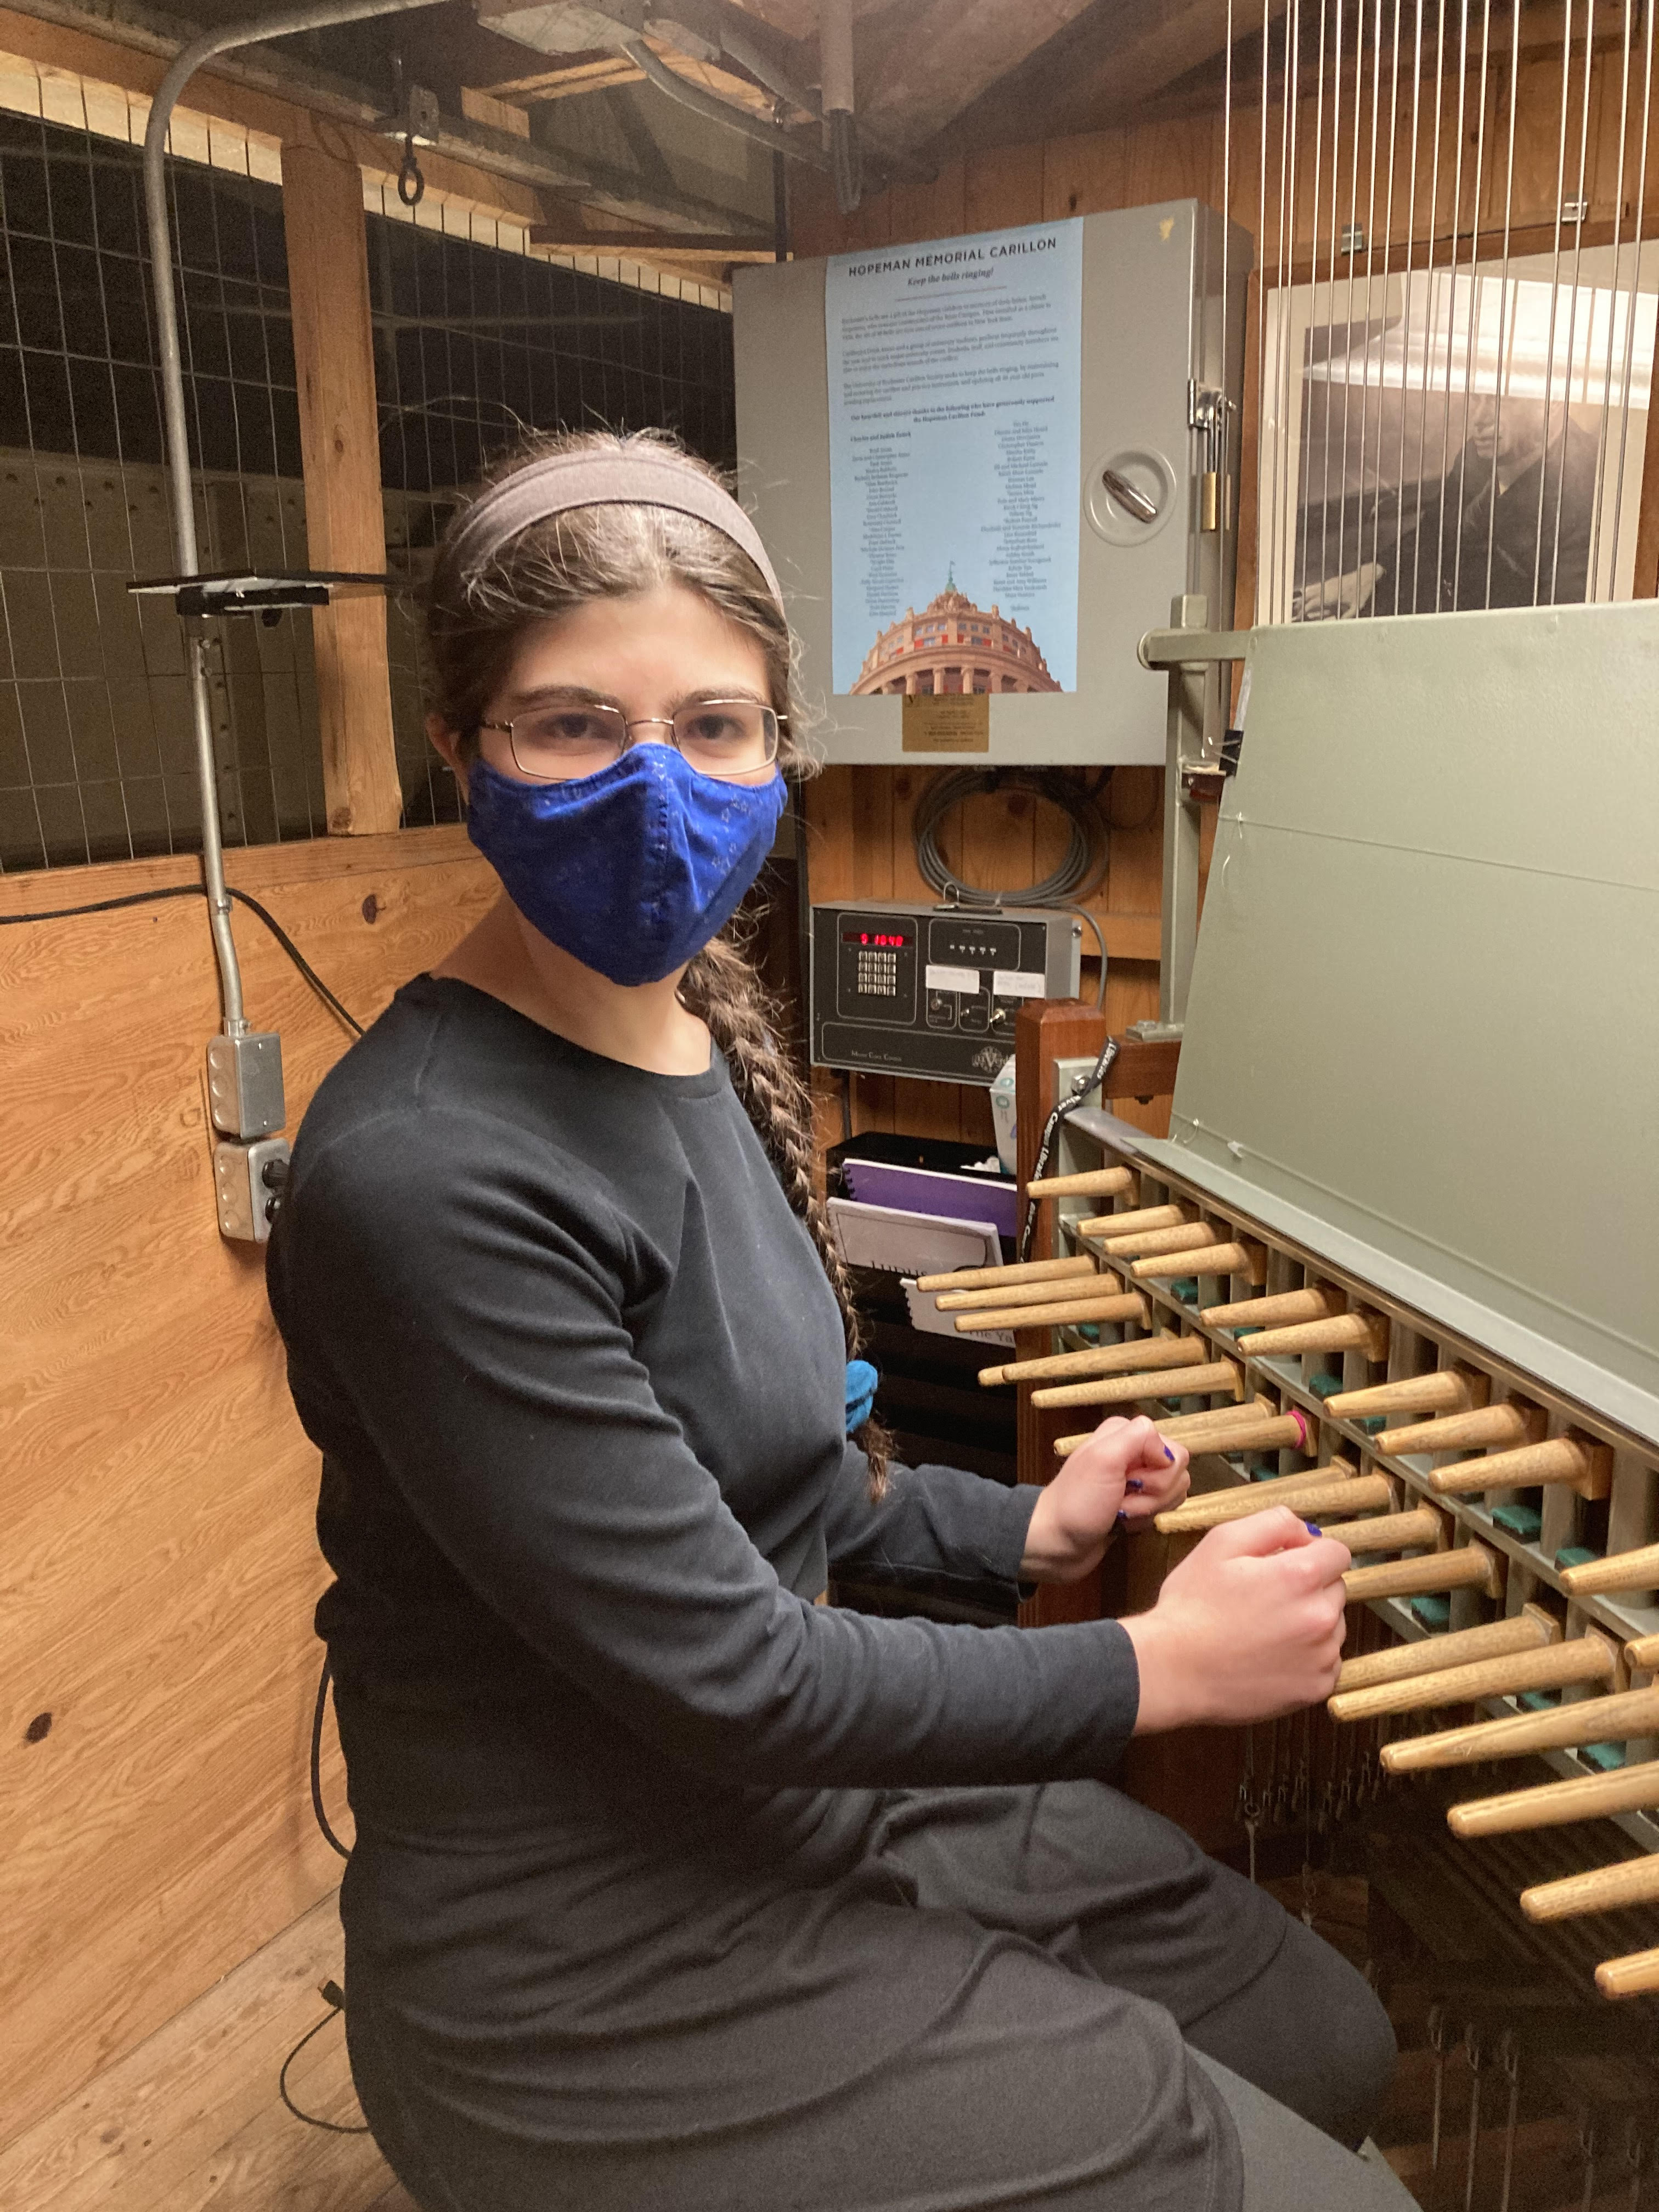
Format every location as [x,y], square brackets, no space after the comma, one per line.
[160,1563]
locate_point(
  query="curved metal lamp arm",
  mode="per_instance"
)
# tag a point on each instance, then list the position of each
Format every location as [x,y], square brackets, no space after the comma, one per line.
[713,110]
[253,31]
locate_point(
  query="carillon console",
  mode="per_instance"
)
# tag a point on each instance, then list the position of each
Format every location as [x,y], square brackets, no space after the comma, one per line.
[1391,1268]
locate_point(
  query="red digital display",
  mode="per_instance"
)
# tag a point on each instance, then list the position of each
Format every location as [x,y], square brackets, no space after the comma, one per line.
[896,938]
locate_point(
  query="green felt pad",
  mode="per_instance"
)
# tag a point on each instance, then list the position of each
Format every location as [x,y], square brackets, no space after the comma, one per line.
[1525,1522]
[1434,1611]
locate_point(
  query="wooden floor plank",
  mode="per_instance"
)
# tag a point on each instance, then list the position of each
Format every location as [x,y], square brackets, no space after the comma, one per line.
[191,2121]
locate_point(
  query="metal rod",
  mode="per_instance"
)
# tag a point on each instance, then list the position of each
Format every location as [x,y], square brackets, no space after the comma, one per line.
[1388,256]
[1353,257]
[1635,274]
[1474,306]
[1371,294]
[1434,204]
[1406,326]
[1504,275]
[1600,504]
[1572,311]
[1262,515]
[181,498]
[1330,311]
[1451,317]
[1555,283]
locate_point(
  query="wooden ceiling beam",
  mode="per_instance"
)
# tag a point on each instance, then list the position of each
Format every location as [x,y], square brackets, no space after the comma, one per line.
[923,63]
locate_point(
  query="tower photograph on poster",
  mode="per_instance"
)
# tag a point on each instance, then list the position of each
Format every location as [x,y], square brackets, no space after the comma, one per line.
[955,374]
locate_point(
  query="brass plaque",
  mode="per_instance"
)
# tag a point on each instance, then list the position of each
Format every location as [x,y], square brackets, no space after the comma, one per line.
[946,722]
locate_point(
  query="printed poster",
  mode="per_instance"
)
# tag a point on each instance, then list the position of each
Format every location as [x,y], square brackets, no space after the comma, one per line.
[955,422]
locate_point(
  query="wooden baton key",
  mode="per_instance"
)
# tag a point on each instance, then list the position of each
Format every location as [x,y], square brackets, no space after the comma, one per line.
[1453,1390]
[1024,1294]
[1234,1259]
[1023,1271]
[1602,1889]
[1150,1243]
[1488,1425]
[1587,1469]
[1163,1383]
[1616,1719]
[1552,1804]
[1550,1667]
[1471,1566]
[1349,1332]
[1095,1183]
[1529,1630]
[1632,1976]
[1109,1359]
[1418,1529]
[1133,1219]
[1126,1305]
[1257,1427]
[1641,1652]
[1624,1571]
[1305,1495]
[1311,1304]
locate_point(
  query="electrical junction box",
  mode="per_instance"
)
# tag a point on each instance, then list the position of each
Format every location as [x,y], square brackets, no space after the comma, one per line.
[932,991]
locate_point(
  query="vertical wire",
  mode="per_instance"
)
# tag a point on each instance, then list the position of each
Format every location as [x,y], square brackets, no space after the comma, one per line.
[1635,277]
[1388,255]
[1406,331]
[1283,545]
[1504,281]
[286,553]
[1451,318]
[48,571]
[115,422]
[1572,310]
[1555,281]
[12,660]
[1313,301]
[1225,613]
[1599,502]
[1354,256]
[1431,316]
[1474,305]
[1330,305]
[1263,523]
[1370,294]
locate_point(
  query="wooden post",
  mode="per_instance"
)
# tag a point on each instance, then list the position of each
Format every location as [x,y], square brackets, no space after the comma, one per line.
[339,444]
[1047,1030]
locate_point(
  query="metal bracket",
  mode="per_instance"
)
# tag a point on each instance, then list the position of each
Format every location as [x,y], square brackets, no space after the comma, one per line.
[1192,648]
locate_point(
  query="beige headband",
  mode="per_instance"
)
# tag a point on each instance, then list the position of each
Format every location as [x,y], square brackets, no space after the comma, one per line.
[635,475]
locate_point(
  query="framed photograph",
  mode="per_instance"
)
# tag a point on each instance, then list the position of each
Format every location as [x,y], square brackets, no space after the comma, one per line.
[1436,440]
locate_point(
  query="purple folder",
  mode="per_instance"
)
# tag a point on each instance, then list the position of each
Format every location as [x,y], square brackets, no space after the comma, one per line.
[924,1190]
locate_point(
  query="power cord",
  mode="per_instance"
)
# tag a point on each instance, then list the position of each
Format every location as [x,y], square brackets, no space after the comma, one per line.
[1085,863]
[1081,1086]
[334,1996]
[199,891]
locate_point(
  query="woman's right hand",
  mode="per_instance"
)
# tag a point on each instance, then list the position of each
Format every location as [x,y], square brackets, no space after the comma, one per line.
[1248,1625]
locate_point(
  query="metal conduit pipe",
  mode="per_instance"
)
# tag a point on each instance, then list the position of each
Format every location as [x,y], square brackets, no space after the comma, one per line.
[714,109]
[184,65]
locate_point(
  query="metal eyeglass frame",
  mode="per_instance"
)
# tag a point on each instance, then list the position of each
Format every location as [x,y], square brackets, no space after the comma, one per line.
[661,722]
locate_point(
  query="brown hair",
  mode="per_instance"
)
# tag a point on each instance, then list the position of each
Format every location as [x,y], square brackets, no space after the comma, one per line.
[473,623]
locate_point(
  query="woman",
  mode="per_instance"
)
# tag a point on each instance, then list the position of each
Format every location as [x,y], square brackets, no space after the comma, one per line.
[672,1888]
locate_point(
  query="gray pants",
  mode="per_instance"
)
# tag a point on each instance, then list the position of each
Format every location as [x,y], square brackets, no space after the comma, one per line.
[1044,1997]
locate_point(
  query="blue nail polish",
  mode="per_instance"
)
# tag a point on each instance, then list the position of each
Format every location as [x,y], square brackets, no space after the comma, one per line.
[1122,1522]
[1314,1528]
[1169,1456]
[1134,1485]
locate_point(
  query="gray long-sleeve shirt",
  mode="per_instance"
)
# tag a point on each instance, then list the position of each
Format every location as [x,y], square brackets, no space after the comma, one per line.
[577,1377]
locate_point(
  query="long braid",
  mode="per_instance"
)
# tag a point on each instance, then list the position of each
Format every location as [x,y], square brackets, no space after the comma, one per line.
[723,990]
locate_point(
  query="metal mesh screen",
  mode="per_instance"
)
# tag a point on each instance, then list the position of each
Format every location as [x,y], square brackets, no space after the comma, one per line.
[475,343]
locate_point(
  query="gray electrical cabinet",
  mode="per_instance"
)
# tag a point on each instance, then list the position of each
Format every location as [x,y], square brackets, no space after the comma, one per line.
[1152,325]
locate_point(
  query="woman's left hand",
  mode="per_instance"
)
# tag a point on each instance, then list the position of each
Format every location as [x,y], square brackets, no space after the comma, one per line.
[1125,1470]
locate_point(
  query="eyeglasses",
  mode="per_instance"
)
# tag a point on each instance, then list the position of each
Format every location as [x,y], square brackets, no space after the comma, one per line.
[564,738]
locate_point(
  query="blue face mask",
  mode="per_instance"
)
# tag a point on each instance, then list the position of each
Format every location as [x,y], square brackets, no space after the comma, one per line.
[631,870]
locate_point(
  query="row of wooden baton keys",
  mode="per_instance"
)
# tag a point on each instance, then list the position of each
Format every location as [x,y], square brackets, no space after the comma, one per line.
[1507,1657]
